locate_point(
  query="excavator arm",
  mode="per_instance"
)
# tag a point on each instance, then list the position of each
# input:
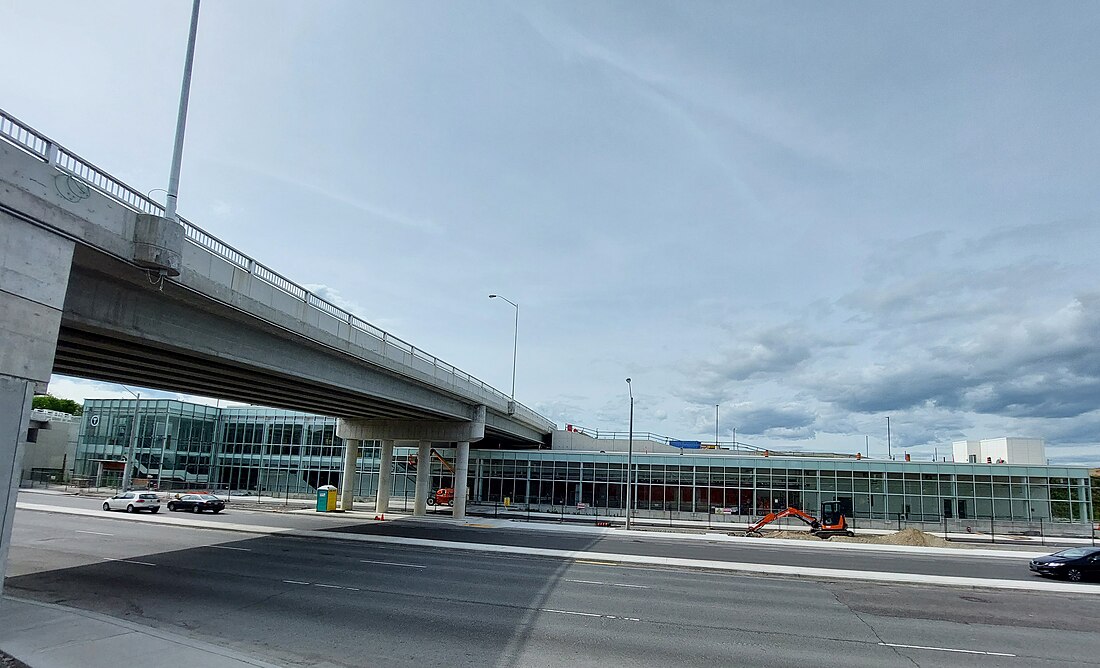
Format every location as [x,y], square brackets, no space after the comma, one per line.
[789,512]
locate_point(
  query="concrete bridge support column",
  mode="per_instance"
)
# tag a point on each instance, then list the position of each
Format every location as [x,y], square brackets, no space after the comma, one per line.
[423,478]
[34,276]
[462,474]
[347,482]
[385,477]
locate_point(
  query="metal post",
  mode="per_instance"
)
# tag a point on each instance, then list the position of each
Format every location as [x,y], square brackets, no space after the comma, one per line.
[630,459]
[889,449]
[126,477]
[715,427]
[181,117]
[163,446]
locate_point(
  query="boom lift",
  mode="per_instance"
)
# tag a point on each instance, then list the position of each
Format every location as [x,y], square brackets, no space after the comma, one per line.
[832,522]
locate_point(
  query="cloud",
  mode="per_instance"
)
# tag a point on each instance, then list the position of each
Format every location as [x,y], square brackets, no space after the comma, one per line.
[788,422]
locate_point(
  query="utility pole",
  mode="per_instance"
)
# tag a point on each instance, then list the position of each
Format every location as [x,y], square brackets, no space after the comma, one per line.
[133,440]
[715,426]
[181,117]
[630,458]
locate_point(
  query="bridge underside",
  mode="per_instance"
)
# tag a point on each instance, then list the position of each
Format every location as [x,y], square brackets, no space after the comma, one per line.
[128,331]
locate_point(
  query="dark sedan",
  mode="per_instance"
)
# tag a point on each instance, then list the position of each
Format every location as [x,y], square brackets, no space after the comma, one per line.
[197,503]
[1074,564]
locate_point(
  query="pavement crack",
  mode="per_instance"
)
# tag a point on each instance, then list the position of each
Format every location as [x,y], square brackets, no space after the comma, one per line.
[870,628]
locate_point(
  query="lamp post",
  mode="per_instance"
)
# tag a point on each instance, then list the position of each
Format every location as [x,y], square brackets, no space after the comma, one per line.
[630,459]
[715,426]
[133,439]
[181,117]
[889,449]
[515,342]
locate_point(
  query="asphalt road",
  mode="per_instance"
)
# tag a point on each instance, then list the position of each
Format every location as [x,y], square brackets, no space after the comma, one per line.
[795,554]
[361,604]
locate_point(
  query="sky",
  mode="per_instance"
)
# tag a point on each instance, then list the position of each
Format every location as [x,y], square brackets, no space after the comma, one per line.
[813,216]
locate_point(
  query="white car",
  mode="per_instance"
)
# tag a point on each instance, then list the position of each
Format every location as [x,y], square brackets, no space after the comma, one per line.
[132,502]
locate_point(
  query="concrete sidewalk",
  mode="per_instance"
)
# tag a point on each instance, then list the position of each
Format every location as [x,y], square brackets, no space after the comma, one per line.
[42,635]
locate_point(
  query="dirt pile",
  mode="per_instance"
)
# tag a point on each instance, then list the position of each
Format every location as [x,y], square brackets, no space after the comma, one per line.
[914,537]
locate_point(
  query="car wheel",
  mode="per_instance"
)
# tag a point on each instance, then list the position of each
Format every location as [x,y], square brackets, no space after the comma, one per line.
[193,509]
[450,503]
[1074,575]
[130,508]
[106,506]
[215,511]
[197,509]
[431,501]
[171,507]
[154,510]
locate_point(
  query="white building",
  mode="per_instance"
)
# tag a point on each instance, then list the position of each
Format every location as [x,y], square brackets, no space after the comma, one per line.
[1002,450]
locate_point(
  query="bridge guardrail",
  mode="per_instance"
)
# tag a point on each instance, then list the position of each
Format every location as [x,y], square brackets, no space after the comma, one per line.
[25,137]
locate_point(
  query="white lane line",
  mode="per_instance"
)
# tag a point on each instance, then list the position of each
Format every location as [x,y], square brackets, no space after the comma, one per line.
[609,584]
[295,582]
[129,561]
[226,547]
[945,649]
[570,612]
[97,533]
[335,587]
[391,563]
[588,614]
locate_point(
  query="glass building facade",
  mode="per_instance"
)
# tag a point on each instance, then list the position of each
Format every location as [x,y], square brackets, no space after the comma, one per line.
[278,452]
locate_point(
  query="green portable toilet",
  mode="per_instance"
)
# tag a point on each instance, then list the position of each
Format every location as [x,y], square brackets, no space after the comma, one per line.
[326,499]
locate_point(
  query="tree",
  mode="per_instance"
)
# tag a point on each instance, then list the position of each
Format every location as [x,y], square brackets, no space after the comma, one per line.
[52,403]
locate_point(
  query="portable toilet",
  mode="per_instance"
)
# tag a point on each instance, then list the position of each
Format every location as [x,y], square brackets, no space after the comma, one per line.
[326,499]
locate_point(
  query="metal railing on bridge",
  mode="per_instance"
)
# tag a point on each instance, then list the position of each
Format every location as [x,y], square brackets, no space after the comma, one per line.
[28,139]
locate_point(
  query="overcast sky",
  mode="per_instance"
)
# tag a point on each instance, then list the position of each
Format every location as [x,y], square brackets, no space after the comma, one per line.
[815,215]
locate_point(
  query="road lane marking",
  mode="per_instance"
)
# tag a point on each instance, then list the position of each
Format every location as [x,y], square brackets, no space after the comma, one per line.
[588,614]
[226,547]
[609,584]
[391,563]
[295,582]
[945,649]
[335,587]
[129,561]
[597,563]
[97,533]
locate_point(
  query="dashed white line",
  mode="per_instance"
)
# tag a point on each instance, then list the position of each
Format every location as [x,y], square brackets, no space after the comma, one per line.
[318,584]
[609,584]
[588,614]
[97,533]
[945,649]
[129,561]
[226,547]
[391,563]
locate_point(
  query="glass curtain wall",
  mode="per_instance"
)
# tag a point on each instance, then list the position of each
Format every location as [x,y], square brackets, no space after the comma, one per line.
[756,486]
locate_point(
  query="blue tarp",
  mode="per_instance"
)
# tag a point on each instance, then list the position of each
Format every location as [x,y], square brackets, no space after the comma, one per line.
[686,444]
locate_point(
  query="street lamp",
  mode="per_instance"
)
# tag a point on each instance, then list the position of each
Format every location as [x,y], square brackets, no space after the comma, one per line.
[515,342]
[181,118]
[630,458]
[889,450]
[133,439]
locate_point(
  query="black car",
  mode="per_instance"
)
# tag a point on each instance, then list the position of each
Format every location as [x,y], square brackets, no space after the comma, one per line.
[1074,564]
[197,503]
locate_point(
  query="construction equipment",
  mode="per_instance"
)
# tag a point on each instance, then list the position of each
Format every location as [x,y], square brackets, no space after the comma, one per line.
[832,522]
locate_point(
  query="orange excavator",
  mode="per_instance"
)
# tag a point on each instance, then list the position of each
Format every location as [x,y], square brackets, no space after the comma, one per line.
[832,522]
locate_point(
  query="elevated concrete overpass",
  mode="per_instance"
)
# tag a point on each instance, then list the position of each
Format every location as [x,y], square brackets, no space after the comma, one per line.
[96,283]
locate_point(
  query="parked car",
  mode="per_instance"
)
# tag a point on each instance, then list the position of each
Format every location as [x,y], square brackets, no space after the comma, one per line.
[442,497]
[1074,564]
[133,502]
[197,503]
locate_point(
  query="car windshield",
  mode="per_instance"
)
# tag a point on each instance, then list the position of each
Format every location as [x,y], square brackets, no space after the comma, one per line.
[1075,552]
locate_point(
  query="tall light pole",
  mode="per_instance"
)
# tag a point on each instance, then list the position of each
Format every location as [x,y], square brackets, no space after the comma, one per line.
[181,117]
[630,459]
[515,343]
[133,439]
[715,426]
[889,449]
